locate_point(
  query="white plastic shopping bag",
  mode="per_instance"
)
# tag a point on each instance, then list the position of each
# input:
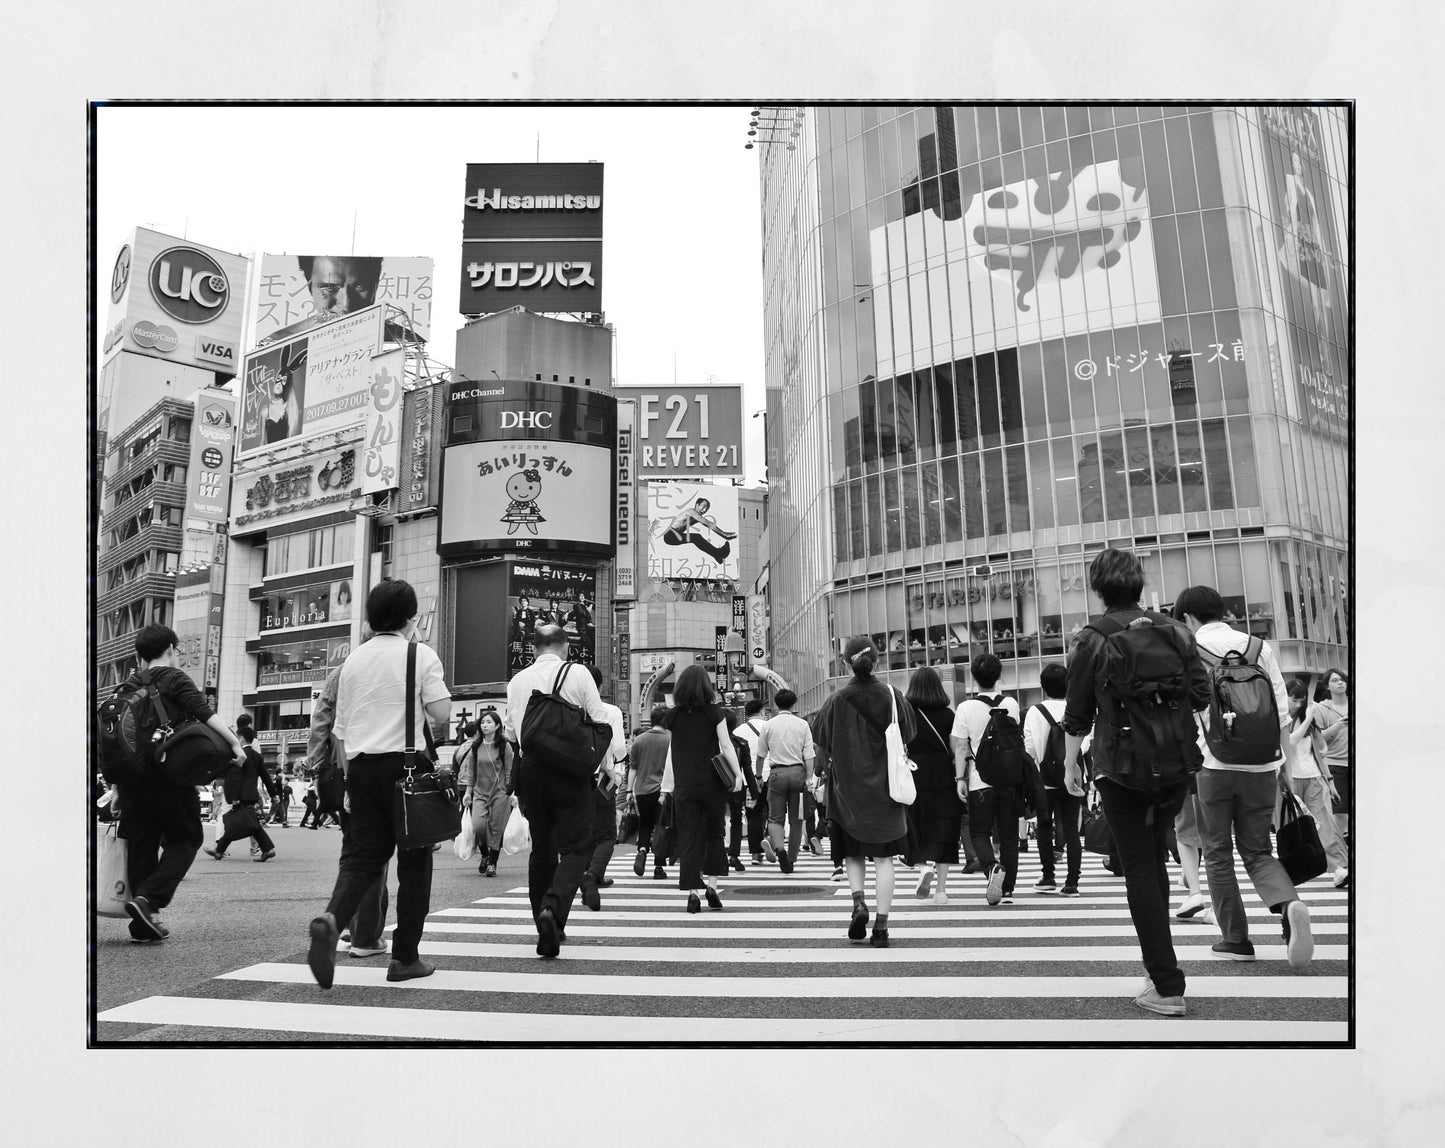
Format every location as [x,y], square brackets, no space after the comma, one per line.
[464,844]
[518,834]
[112,884]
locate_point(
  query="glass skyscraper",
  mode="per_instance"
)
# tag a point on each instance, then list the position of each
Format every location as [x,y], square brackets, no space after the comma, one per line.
[1000,339]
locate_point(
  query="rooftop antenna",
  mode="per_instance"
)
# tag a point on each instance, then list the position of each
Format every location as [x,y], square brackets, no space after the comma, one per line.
[539,147]
[353,229]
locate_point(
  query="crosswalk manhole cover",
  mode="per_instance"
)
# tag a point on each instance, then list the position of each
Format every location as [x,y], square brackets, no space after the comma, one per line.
[781,890]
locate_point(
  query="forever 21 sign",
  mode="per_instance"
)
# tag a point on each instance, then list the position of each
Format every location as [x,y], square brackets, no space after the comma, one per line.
[688,432]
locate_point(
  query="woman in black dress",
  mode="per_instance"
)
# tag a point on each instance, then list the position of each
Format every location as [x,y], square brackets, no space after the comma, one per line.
[699,731]
[935,818]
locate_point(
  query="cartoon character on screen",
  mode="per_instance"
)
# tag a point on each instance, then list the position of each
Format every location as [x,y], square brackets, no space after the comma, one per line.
[523,488]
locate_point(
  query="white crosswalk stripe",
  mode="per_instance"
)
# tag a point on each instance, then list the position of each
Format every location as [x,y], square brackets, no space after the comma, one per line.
[1041,970]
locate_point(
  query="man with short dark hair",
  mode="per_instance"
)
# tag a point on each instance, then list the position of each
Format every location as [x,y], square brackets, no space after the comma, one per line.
[1060,807]
[371,735]
[1138,819]
[646,761]
[604,804]
[992,811]
[1237,800]
[243,794]
[787,743]
[756,811]
[558,807]
[160,820]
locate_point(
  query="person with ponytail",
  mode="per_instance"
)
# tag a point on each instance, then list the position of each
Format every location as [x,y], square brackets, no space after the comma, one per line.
[864,822]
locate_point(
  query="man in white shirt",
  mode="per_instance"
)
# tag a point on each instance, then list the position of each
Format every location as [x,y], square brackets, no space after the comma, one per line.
[370,736]
[1237,800]
[1059,803]
[988,808]
[754,716]
[787,744]
[558,807]
[604,804]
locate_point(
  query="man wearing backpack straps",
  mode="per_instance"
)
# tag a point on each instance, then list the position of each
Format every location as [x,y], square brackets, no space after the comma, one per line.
[1044,742]
[1129,753]
[161,821]
[1241,776]
[994,799]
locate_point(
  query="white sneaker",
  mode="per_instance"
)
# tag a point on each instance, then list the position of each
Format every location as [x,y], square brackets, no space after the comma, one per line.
[1340,878]
[940,897]
[994,894]
[1190,906]
[1298,942]
[925,882]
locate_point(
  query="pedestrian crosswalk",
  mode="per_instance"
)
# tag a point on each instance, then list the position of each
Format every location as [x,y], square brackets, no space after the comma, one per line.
[775,965]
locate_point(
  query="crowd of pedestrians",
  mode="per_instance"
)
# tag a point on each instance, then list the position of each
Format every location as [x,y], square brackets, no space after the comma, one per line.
[700,784]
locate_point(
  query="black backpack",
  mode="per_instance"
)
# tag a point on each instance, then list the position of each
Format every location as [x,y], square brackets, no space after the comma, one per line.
[1243,714]
[559,735]
[129,721]
[1051,761]
[999,755]
[1151,742]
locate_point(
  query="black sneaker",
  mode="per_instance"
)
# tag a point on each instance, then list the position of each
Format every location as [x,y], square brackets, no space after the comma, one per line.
[858,926]
[736,865]
[785,863]
[1045,885]
[1233,950]
[879,939]
[1069,890]
[143,913]
[589,892]
[659,873]
[639,863]
[548,939]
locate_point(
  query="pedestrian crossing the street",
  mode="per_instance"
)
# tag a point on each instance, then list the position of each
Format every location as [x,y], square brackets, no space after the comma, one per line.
[776,965]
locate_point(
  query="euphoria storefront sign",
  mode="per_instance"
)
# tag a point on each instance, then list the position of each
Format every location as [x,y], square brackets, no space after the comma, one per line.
[293,490]
[532,236]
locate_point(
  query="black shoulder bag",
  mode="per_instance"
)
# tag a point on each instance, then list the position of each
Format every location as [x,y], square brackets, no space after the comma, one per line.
[426,807]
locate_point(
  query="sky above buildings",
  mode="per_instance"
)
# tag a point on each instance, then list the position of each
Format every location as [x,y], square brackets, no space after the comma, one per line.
[681,245]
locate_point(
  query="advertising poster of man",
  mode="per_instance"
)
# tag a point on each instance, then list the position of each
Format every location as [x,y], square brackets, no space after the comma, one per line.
[301,292]
[312,384]
[692,531]
[1306,248]
[542,594]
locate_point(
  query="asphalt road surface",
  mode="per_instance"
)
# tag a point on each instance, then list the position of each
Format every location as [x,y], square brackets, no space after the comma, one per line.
[773,966]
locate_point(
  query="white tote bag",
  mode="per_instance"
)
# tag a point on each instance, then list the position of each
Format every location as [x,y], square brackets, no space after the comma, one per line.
[518,834]
[465,842]
[900,768]
[112,883]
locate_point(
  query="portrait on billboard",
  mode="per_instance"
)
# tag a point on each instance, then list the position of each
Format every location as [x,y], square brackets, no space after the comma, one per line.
[516,494]
[341,601]
[302,292]
[692,528]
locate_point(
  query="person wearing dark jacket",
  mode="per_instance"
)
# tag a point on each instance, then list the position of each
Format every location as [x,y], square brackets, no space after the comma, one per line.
[243,794]
[1139,819]
[161,821]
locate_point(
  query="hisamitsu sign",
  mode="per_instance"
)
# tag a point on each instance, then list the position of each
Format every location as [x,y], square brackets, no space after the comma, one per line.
[688,432]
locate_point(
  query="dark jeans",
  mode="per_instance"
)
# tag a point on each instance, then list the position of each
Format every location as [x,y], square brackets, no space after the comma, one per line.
[757,818]
[648,805]
[737,814]
[1061,811]
[279,809]
[604,832]
[161,824]
[1140,827]
[369,924]
[370,787]
[786,786]
[700,839]
[990,811]
[558,809]
[263,839]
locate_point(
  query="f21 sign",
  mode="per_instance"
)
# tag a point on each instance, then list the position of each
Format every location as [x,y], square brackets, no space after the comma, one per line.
[688,432]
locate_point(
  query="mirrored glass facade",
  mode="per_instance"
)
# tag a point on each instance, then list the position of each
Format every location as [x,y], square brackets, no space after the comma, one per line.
[1002,338]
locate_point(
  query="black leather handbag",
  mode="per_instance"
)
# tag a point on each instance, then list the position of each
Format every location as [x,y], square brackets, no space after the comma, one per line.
[426,807]
[1096,835]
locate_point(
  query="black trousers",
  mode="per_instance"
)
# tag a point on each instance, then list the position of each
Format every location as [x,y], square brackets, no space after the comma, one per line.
[604,833]
[648,806]
[1140,824]
[737,814]
[263,839]
[993,811]
[558,809]
[161,824]
[370,787]
[700,839]
[1061,812]
[757,818]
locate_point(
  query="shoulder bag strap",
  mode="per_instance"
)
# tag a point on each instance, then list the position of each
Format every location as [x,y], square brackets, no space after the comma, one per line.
[1253,650]
[1113,625]
[1048,717]
[144,677]
[926,720]
[559,679]
[410,751]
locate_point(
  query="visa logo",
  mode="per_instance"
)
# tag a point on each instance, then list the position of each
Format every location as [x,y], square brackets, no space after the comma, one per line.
[215,349]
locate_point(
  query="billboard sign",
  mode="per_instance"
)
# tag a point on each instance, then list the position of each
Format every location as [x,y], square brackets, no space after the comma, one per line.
[301,292]
[381,460]
[312,384]
[1307,251]
[177,300]
[532,237]
[420,448]
[528,467]
[189,617]
[268,496]
[624,587]
[208,474]
[691,528]
[688,432]
[757,633]
[550,594]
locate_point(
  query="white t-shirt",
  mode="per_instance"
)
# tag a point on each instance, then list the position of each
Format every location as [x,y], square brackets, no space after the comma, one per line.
[371,695]
[1220,639]
[618,749]
[748,731]
[969,722]
[1036,729]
